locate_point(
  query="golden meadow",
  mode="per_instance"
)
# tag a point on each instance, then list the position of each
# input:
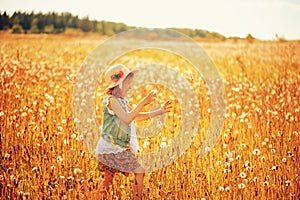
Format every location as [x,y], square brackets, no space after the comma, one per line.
[256,156]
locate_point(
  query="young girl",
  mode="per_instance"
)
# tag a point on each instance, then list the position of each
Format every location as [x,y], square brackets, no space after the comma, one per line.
[118,143]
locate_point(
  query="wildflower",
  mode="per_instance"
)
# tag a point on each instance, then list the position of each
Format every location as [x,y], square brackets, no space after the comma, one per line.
[76,120]
[77,171]
[59,159]
[207,148]
[221,189]
[73,135]
[163,145]
[247,163]
[64,121]
[256,152]
[274,168]
[287,183]
[59,133]
[228,154]
[283,160]
[227,189]
[1,114]
[80,137]
[241,186]
[266,183]
[227,164]
[262,158]
[34,168]
[273,150]
[243,175]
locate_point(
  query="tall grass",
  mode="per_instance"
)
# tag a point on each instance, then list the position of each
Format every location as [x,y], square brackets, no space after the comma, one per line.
[256,157]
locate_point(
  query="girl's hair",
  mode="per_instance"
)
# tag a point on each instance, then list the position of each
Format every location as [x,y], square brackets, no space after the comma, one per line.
[116,91]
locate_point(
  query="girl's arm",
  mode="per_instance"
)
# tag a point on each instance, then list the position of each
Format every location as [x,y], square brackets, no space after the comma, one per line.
[129,117]
[147,115]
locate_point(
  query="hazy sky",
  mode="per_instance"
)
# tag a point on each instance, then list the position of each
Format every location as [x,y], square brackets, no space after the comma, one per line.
[262,18]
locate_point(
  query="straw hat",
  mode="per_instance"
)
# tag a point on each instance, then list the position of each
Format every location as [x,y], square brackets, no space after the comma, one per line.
[116,74]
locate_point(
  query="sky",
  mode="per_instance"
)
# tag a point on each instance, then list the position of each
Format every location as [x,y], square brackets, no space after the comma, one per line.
[263,19]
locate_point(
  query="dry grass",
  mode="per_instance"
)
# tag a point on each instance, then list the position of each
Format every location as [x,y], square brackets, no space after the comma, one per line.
[257,156]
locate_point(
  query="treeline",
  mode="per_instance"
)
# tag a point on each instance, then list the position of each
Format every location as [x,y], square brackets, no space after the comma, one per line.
[52,22]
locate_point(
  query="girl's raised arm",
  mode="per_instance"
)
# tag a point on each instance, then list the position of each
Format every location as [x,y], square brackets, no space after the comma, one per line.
[125,117]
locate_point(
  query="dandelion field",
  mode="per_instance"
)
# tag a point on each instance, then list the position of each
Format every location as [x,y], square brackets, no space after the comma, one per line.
[256,156]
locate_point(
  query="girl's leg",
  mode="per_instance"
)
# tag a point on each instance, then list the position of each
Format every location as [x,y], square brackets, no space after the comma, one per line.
[139,183]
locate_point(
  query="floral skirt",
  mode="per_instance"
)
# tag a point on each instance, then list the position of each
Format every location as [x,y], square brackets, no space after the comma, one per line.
[123,162]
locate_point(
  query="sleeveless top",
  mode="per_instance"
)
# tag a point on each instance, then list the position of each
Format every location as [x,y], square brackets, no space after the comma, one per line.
[116,135]
[114,129]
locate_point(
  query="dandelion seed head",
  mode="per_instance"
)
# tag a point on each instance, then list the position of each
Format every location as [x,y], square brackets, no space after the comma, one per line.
[243,175]
[266,183]
[256,152]
[273,150]
[288,183]
[77,171]
[228,189]
[163,145]
[241,186]
[59,159]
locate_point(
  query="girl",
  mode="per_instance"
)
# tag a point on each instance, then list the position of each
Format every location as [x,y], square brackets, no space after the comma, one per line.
[118,143]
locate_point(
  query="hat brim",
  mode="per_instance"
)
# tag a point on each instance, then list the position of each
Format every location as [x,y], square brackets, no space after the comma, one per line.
[122,79]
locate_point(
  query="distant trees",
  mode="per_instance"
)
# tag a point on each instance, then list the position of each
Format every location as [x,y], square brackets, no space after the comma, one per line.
[52,22]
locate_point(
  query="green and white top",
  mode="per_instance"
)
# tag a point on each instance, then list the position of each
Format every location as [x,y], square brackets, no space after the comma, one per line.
[116,135]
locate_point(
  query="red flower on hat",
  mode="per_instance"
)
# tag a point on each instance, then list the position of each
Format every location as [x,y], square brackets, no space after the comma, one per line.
[117,76]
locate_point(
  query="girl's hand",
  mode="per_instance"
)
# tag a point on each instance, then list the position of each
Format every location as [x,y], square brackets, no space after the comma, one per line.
[149,98]
[166,107]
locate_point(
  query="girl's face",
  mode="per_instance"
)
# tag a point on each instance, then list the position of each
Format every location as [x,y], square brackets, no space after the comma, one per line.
[126,86]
